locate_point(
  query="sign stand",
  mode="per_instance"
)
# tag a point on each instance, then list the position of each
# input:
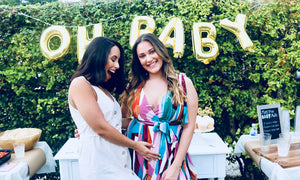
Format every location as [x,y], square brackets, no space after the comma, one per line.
[297,121]
[270,120]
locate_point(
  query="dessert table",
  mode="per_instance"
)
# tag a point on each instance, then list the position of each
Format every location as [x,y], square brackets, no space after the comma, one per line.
[35,161]
[207,151]
[272,170]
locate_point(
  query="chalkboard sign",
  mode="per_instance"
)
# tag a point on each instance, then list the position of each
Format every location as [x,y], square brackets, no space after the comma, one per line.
[270,119]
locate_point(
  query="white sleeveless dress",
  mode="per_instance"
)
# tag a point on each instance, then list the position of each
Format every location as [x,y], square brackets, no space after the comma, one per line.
[100,159]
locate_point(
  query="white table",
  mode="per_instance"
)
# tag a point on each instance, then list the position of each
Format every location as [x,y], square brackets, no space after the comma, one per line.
[208,153]
[207,150]
[271,169]
[21,170]
[68,160]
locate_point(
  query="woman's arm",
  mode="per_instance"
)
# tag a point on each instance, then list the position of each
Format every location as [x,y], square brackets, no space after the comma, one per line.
[126,117]
[188,129]
[83,97]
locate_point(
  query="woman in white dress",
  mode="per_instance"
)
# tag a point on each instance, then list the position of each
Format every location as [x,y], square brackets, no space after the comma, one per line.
[103,152]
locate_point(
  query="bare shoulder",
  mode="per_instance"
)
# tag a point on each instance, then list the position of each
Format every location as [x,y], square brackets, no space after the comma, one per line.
[188,81]
[191,91]
[80,85]
[80,90]
[79,82]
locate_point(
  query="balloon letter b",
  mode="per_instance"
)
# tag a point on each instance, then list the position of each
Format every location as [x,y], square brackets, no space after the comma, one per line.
[136,30]
[83,39]
[209,42]
[238,28]
[51,32]
[177,43]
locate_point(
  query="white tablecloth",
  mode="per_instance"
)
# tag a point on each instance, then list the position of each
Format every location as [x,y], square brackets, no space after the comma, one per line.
[21,170]
[271,169]
[50,164]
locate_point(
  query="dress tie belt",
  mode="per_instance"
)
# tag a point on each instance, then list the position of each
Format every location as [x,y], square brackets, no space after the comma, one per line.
[164,128]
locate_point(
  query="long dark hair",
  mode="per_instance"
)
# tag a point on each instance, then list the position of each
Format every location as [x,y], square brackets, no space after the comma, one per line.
[93,63]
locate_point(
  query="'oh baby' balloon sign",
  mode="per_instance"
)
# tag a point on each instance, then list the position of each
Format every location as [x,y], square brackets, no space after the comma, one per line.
[205,48]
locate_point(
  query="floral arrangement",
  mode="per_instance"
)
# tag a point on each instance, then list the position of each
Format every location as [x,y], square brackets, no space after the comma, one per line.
[207,111]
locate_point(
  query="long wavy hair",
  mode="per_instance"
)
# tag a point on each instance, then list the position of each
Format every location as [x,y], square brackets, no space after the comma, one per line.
[93,63]
[139,75]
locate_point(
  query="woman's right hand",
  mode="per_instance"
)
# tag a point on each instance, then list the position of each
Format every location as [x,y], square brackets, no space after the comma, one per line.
[144,149]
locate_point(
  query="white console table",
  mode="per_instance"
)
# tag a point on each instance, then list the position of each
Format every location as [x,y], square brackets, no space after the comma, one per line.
[68,160]
[208,153]
[207,150]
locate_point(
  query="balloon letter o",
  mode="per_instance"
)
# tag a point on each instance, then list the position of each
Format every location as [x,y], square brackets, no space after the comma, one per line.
[51,32]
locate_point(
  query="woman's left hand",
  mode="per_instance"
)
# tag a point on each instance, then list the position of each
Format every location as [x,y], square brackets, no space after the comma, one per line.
[171,173]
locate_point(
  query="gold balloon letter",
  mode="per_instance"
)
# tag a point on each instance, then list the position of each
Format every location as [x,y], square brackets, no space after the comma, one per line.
[177,42]
[83,39]
[238,28]
[199,43]
[51,32]
[136,30]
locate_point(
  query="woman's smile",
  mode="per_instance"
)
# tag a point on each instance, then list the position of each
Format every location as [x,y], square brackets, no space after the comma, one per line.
[149,58]
[112,62]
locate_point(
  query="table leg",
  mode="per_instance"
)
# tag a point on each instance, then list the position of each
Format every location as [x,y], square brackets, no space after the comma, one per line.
[239,160]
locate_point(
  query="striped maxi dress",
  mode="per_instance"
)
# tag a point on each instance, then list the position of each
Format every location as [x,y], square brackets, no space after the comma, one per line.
[161,127]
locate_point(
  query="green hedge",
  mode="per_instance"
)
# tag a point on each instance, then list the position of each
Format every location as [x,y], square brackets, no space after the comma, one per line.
[34,89]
